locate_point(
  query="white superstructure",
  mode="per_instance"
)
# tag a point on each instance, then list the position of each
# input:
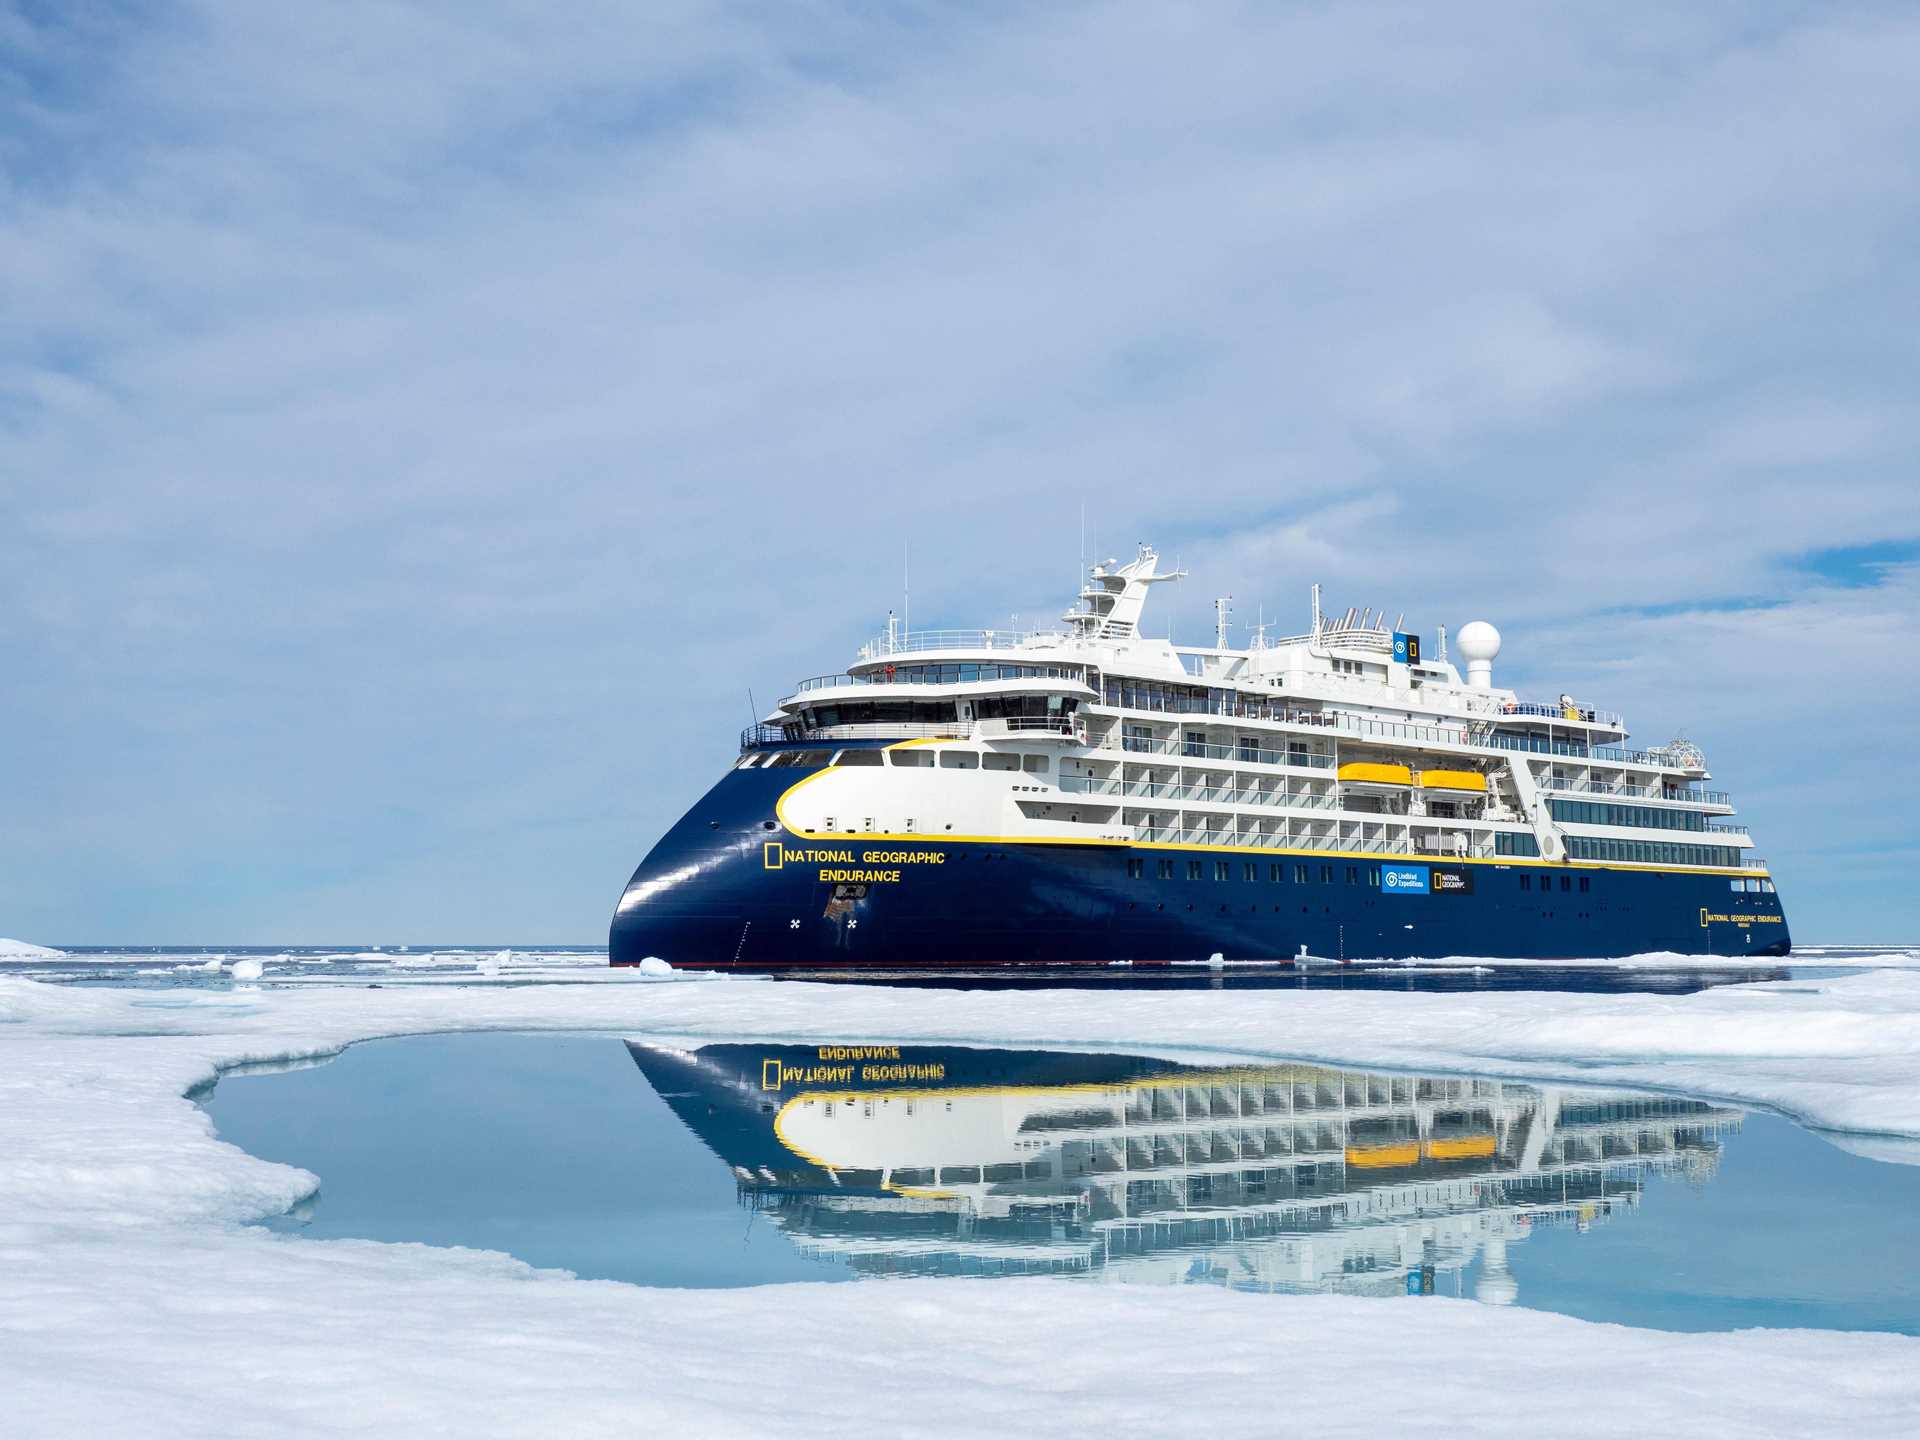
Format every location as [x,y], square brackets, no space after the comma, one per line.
[1344,738]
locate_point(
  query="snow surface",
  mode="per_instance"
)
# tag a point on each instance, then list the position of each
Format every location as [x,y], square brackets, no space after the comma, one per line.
[21,950]
[131,1299]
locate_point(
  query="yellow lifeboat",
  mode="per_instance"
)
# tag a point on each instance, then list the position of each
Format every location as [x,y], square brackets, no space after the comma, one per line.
[1366,772]
[1453,780]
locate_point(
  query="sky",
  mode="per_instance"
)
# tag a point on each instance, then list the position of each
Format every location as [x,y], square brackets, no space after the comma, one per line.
[427,431]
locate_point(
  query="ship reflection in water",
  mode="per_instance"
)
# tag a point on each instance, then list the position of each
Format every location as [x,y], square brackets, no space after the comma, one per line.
[902,1160]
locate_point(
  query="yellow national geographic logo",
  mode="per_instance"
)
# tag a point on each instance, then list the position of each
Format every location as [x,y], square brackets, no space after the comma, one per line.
[1714,917]
[772,856]
[769,1074]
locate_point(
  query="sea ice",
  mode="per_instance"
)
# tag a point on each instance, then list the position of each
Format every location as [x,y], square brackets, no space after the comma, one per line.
[21,950]
[133,1302]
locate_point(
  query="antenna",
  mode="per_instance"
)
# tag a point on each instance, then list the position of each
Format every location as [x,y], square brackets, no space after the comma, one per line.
[753,709]
[1222,608]
[1443,644]
[1316,609]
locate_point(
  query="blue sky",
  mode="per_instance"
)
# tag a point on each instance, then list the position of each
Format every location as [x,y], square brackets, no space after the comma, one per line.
[420,427]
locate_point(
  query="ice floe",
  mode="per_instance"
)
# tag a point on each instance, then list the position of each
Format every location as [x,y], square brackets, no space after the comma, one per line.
[118,1237]
[21,950]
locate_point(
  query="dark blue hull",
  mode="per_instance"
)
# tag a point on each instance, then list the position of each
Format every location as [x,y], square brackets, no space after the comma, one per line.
[728,888]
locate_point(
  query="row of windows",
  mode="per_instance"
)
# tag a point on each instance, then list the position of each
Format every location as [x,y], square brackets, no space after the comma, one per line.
[904,759]
[1510,843]
[958,760]
[967,674]
[1566,882]
[1605,812]
[1304,873]
[1154,695]
[1250,870]
[877,712]
[1650,852]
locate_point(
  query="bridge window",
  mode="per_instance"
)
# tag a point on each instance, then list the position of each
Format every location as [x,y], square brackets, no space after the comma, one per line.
[912,759]
[999,760]
[858,757]
[1034,764]
[959,760]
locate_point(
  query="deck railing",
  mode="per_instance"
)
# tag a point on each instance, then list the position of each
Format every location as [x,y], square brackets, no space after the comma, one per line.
[918,641]
[1200,750]
[1636,792]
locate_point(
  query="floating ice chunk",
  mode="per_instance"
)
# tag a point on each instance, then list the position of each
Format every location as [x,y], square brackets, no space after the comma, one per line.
[654,965]
[248,969]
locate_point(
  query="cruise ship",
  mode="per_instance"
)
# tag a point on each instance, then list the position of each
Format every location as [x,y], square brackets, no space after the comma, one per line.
[1090,795]
[940,1160]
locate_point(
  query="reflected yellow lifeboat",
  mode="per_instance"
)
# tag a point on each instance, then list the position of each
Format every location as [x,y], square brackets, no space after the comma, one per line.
[1382,1157]
[1459,1147]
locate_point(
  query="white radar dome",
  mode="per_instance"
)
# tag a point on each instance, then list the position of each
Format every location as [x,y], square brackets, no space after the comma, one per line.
[1478,642]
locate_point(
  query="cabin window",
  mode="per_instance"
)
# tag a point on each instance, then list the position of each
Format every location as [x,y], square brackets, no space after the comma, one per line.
[1326,874]
[1353,874]
[959,760]
[1250,871]
[1221,869]
[1136,869]
[1526,882]
[1193,869]
[1299,874]
[998,760]
[858,758]
[1566,882]
[1034,764]
[1166,870]
[1276,873]
[1373,876]
[912,759]
[1586,884]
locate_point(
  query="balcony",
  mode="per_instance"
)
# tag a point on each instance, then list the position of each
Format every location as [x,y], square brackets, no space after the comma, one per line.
[1032,727]
[1637,792]
[1571,714]
[1239,754]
